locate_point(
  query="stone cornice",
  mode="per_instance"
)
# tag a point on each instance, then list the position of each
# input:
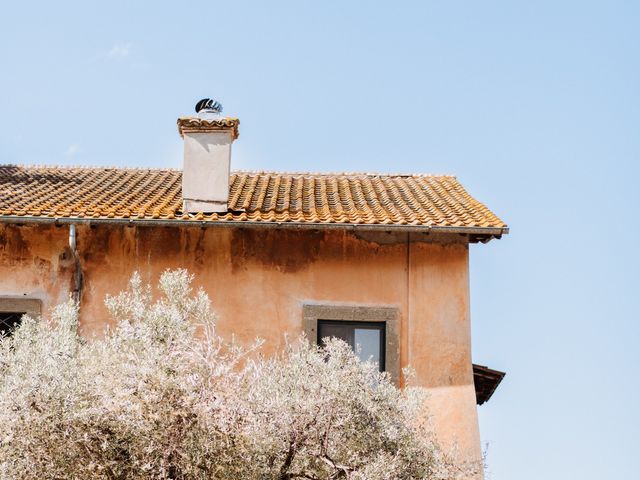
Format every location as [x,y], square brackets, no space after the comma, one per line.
[195,124]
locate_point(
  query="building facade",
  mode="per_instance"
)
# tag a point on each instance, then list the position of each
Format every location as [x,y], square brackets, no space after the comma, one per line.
[381,261]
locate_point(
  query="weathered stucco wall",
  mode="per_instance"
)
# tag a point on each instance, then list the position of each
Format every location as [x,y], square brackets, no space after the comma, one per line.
[259,280]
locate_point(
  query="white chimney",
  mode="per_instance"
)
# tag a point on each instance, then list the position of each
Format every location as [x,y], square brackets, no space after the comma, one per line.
[207,157]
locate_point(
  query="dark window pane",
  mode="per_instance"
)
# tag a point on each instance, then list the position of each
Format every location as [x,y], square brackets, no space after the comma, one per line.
[341,331]
[9,321]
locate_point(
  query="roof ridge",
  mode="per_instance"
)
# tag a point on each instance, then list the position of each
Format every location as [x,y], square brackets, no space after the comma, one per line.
[246,172]
[333,174]
[35,166]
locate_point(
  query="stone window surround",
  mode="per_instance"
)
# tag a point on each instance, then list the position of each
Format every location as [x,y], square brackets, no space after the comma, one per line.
[29,305]
[311,313]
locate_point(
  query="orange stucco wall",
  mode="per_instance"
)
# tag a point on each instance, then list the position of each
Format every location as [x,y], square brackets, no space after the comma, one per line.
[259,279]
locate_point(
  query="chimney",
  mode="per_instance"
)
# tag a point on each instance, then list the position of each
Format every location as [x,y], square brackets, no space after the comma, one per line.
[207,157]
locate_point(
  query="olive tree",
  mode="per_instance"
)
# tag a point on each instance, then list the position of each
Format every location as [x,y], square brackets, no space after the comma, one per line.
[162,396]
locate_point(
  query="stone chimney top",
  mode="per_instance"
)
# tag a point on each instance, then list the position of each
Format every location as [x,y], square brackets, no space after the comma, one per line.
[203,125]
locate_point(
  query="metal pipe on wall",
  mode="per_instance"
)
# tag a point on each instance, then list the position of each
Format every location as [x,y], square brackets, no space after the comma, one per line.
[77,273]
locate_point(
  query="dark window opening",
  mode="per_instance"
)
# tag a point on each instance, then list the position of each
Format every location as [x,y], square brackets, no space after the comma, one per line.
[367,339]
[9,321]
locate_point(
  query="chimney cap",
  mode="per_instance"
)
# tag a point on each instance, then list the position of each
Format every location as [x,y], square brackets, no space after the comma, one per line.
[204,125]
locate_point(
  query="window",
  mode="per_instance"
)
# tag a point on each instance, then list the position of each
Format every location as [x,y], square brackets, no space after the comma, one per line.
[12,309]
[374,329]
[367,339]
[9,321]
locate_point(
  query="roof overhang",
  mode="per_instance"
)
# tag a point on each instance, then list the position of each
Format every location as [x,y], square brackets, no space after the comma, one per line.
[476,234]
[486,381]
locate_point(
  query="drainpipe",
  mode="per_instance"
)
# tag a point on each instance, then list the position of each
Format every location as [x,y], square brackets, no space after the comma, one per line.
[77,273]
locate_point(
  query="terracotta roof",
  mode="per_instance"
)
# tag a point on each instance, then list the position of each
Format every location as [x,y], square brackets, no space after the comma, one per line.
[425,201]
[486,381]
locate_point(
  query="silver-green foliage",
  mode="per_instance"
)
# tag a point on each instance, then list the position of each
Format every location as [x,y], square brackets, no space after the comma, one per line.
[161,396]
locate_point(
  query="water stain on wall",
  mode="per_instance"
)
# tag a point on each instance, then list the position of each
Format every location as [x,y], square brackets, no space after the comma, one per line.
[14,249]
[284,250]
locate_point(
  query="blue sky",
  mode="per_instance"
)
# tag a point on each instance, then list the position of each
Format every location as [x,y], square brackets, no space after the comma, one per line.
[535,106]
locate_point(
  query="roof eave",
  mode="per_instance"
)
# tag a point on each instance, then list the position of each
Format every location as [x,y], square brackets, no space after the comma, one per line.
[488,232]
[490,378]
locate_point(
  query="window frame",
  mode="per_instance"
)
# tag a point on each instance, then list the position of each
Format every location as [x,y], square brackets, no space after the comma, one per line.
[29,305]
[390,316]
